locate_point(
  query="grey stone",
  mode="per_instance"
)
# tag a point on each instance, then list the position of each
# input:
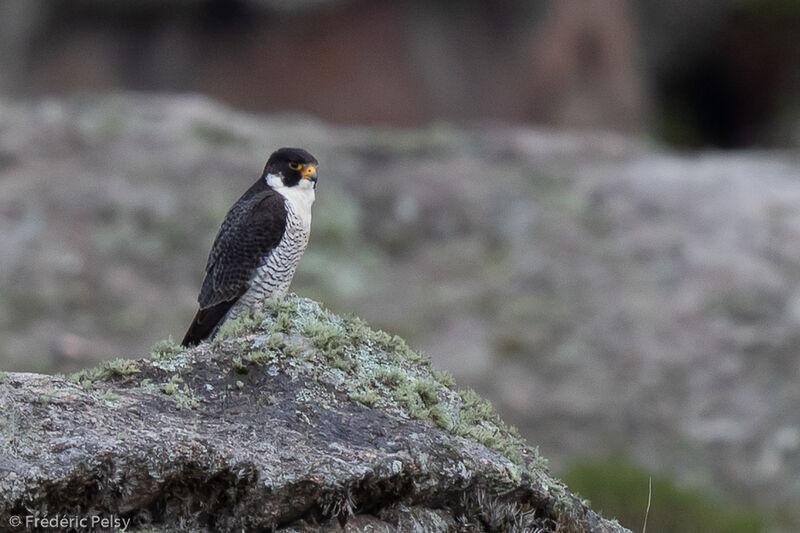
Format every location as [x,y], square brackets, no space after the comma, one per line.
[328,443]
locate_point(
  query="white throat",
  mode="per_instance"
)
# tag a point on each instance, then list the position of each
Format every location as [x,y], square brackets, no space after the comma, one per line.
[300,197]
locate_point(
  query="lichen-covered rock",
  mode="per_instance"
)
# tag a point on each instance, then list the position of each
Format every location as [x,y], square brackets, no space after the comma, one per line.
[292,420]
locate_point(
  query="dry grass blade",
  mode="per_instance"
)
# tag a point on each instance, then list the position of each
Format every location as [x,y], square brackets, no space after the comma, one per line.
[649,496]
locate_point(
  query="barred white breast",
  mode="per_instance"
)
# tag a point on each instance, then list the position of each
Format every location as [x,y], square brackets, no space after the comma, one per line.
[273,277]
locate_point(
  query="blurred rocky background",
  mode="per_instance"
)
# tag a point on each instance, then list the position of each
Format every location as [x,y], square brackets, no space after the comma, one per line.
[590,212]
[704,73]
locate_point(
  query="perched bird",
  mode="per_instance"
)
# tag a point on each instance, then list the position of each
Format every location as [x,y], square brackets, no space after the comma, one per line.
[259,244]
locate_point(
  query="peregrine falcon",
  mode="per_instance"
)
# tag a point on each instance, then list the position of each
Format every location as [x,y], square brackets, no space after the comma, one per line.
[259,244]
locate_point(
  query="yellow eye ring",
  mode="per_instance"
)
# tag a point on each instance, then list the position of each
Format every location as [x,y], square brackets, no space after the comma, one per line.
[295,166]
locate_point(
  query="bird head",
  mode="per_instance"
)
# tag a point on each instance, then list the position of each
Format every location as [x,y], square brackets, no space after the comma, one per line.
[291,167]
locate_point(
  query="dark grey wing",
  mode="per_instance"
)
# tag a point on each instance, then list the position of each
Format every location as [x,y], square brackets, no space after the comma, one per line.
[250,231]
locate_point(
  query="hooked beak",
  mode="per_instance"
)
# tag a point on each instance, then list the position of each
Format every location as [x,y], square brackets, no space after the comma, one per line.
[310,173]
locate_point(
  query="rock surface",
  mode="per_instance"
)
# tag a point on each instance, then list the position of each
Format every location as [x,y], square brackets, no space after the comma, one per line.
[295,420]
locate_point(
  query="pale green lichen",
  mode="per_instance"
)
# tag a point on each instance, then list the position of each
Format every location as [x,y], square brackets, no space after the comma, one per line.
[171,386]
[44,399]
[427,391]
[444,378]
[165,349]
[280,315]
[107,370]
[283,323]
[259,357]
[407,398]
[273,341]
[239,366]
[479,421]
[357,330]
[292,350]
[390,376]
[120,367]
[277,307]
[441,417]
[169,356]
[368,398]
[242,325]
[325,336]
[109,397]
[185,398]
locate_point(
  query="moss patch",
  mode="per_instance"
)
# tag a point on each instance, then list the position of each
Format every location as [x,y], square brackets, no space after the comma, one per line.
[240,326]
[105,372]
[368,398]
[165,349]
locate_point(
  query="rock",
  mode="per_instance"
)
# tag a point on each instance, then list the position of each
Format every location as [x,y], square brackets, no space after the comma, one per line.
[293,420]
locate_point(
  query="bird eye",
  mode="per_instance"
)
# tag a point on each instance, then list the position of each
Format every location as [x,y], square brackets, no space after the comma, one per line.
[295,166]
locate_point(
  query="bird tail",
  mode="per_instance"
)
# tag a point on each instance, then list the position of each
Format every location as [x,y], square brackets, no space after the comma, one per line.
[205,323]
